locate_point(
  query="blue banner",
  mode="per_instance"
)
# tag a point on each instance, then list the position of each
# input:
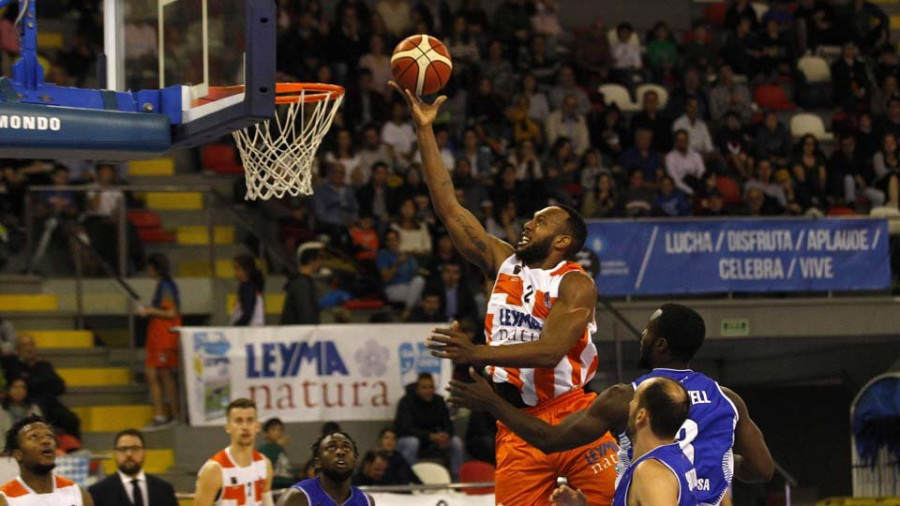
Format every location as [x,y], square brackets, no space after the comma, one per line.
[663,257]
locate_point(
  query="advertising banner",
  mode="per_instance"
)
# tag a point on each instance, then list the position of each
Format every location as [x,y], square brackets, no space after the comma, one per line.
[306,373]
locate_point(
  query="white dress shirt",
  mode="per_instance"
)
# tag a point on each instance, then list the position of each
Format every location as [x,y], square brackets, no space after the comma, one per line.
[142,484]
[698,133]
[679,166]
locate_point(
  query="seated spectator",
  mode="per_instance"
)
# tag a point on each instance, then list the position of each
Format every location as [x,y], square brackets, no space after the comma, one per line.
[662,54]
[498,70]
[301,301]
[373,151]
[713,205]
[869,24]
[398,133]
[691,87]
[456,293]
[700,53]
[523,128]
[412,186]
[371,469]
[888,64]
[762,178]
[442,138]
[819,24]
[867,142]
[537,60]
[131,484]
[735,145]
[810,171]
[773,141]
[485,105]
[850,81]
[424,427]
[565,86]
[538,105]
[778,56]
[592,53]
[378,63]
[376,198]
[476,153]
[698,133]
[344,154]
[602,201]
[738,11]
[591,168]
[887,163]
[626,57]
[670,202]
[525,162]
[274,449]
[854,171]
[684,165]
[288,218]
[759,205]
[398,471]
[742,51]
[7,340]
[249,309]
[638,198]
[44,385]
[335,206]
[444,252]
[472,192]
[651,118]
[366,103]
[17,404]
[462,45]
[365,240]
[797,200]
[399,273]
[429,309]
[884,93]
[396,15]
[891,122]
[501,221]
[729,96]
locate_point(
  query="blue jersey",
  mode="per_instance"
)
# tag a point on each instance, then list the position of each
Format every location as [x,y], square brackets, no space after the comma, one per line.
[315,496]
[706,437]
[671,456]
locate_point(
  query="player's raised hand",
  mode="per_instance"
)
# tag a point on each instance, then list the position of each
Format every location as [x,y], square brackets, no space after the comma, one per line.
[453,344]
[477,396]
[565,496]
[423,114]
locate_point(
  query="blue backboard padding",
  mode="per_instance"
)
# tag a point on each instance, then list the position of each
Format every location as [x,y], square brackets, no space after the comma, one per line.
[36,126]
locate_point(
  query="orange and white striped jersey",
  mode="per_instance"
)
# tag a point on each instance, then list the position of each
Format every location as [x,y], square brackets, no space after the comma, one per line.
[65,493]
[519,305]
[241,486]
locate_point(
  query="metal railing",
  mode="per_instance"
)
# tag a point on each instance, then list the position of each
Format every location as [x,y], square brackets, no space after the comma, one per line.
[400,489]
[790,482]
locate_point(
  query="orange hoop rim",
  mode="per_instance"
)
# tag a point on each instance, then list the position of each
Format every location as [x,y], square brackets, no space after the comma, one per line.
[288,93]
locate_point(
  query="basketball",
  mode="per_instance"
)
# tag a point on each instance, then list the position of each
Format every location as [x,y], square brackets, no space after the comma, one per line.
[421,64]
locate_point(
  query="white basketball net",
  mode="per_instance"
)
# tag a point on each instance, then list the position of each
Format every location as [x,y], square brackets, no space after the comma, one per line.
[278,154]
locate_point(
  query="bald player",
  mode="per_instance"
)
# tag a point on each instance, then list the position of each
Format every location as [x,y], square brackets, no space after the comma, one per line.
[717,427]
[540,316]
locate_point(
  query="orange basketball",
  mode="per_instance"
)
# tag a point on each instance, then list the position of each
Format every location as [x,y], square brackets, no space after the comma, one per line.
[421,64]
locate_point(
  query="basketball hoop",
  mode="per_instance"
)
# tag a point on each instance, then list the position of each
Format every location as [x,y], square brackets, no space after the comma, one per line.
[278,154]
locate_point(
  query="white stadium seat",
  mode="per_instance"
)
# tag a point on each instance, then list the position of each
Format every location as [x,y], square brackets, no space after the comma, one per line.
[618,94]
[815,68]
[806,123]
[432,473]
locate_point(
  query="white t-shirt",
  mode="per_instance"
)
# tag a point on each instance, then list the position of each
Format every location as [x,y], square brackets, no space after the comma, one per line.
[401,137]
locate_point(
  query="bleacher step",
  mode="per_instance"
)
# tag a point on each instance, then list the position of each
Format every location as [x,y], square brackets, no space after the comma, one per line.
[160,439]
[105,396]
[77,358]
[20,284]
[95,376]
[156,461]
[62,339]
[41,320]
[39,302]
[113,418]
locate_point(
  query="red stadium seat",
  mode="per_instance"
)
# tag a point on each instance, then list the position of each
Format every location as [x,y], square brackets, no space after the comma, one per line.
[155,235]
[144,219]
[364,304]
[728,189]
[221,159]
[770,96]
[475,471]
[714,14]
[841,211]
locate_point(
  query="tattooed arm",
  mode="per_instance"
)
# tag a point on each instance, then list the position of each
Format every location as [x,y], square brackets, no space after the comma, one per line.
[467,234]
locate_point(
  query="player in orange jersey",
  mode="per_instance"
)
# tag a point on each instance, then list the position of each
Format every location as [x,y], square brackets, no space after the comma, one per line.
[540,317]
[237,475]
[32,443]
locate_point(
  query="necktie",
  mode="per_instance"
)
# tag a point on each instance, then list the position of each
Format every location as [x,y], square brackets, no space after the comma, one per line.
[138,497]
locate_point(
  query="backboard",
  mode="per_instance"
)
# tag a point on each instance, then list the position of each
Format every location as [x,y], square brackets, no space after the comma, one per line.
[210,48]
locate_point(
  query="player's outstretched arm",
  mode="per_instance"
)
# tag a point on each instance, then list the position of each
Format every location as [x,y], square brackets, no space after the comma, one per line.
[756,463]
[467,234]
[653,484]
[608,412]
[293,497]
[209,482]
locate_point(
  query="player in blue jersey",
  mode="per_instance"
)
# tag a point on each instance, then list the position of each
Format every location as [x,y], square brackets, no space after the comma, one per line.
[334,458]
[718,436]
[660,474]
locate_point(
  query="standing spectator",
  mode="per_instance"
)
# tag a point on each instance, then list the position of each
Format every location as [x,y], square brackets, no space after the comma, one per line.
[301,302]
[335,206]
[398,471]
[130,484]
[670,202]
[344,154]
[44,384]
[868,24]
[424,427]
[566,86]
[729,96]
[662,53]
[398,133]
[652,118]
[850,80]
[399,273]
[592,53]
[17,404]
[698,133]
[626,57]
[377,62]
[684,165]
[773,141]
[374,151]
[274,449]
[162,315]
[567,122]
[249,308]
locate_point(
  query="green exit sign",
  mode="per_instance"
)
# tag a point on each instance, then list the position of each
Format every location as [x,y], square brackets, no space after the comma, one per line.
[735,327]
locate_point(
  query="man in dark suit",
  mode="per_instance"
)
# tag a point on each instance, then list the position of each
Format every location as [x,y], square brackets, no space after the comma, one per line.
[130,485]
